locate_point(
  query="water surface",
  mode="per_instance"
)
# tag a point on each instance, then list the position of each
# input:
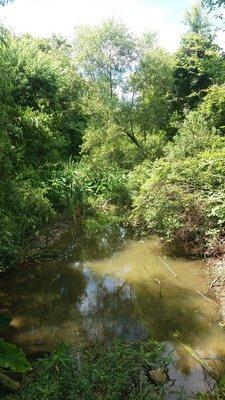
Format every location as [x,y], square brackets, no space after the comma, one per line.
[105,286]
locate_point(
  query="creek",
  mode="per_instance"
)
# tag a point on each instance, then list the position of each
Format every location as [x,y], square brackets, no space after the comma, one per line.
[106,285]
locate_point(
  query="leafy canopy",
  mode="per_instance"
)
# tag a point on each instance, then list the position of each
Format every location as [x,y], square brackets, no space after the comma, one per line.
[104,53]
[198,62]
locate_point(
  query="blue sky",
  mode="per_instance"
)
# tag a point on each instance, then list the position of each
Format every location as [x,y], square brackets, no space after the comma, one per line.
[44,17]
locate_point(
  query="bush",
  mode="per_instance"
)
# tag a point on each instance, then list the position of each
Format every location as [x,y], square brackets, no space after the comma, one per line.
[183,201]
[41,125]
[66,188]
[194,136]
[24,209]
[104,181]
[138,176]
[213,108]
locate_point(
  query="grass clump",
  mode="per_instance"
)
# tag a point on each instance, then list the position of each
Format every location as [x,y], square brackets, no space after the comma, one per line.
[110,372]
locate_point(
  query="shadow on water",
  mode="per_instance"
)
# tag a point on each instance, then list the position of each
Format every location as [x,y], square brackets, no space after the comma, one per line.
[107,286]
[84,244]
[168,312]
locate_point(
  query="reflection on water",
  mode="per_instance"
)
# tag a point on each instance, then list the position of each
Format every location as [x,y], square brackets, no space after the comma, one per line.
[108,286]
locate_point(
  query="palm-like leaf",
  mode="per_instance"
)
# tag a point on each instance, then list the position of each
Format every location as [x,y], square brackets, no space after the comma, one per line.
[12,357]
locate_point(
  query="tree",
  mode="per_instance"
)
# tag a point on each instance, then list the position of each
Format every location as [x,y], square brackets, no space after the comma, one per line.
[108,56]
[41,126]
[104,54]
[198,62]
[197,22]
[49,94]
[153,85]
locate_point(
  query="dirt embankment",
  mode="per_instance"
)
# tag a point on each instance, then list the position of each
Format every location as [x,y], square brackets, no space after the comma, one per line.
[217,277]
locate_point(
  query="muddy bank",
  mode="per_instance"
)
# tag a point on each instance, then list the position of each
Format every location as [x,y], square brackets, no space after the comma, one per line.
[216,271]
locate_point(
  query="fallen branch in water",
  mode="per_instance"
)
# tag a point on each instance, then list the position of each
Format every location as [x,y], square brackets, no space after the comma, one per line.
[206,298]
[176,276]
[201,361]
[164,262]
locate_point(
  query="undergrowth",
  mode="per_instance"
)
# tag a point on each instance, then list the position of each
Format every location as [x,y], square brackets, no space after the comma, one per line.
[117,371]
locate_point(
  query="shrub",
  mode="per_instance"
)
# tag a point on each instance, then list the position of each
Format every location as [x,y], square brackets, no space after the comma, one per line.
[183,201]
[24,209]
[213,108]
[66,188]
[194,136]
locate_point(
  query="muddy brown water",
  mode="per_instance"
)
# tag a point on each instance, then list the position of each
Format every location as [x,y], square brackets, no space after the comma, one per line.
[107,285]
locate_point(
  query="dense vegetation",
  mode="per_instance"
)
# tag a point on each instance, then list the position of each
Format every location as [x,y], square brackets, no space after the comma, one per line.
[113,121]
[106,372]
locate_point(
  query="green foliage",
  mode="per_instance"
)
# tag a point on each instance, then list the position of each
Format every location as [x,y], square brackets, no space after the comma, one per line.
[41,123]
[110,124]
[24,209]
[107,372]
[197,21]
[183,198]
[183,227]
[198,63]
[104,122]
[152,88]
[138,176]
[195,135]
[105,182]
[66,188]
[213,108]
[109,143]
[13,358]
[104,53]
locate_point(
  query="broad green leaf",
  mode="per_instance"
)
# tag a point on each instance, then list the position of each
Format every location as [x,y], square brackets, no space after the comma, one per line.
[13,358]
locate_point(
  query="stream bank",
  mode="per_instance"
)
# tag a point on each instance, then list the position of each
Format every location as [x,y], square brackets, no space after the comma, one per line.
[216,272]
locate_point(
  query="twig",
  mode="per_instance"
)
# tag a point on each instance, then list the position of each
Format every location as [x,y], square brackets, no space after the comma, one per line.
[163,261]
[191,289]
[206,298]
[201,361]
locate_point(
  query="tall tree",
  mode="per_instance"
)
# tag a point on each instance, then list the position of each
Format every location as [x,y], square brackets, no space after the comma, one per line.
[148,105]
[108,56]
[104,54]
[197,61]
[197,21]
